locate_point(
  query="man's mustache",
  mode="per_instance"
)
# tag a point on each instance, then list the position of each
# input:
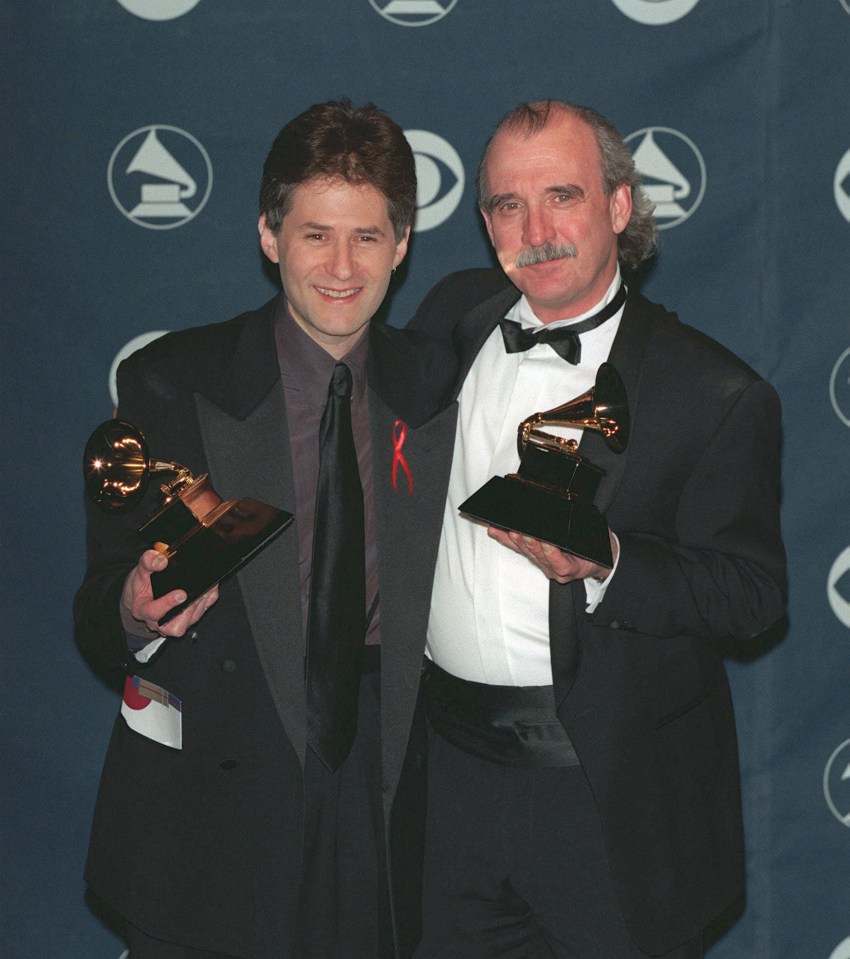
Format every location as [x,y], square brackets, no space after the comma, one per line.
[545,253]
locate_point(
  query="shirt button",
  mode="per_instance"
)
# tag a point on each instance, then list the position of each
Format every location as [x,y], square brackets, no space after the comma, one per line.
[229,666]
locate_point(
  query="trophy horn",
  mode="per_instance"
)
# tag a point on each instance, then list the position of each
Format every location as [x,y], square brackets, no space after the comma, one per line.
[117,467]
[603,409]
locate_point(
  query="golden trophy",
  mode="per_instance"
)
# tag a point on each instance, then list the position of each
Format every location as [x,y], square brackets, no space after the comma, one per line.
[204,537]
[550,498]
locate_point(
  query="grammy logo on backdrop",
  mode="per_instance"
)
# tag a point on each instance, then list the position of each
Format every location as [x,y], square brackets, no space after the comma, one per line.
[551,496]
[204,537]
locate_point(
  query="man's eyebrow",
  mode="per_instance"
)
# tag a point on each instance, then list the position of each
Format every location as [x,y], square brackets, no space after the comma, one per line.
[498,198]
[327,228]
[569,189]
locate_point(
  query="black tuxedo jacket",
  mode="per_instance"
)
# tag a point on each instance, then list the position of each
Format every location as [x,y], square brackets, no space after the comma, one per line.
[189,844]
[640,684]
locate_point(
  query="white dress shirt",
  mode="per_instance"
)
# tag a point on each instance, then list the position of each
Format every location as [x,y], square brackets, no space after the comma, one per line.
[489,618]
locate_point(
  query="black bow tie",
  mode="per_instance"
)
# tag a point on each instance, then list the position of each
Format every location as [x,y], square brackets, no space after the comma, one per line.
[564,340]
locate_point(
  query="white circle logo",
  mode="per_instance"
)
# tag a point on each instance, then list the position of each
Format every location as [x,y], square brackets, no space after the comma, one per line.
[836,783]
[842,950]
[159,9]
[413,13]
[436,159]
[839,387]
[673,173]
[160,177]
[841,186]
[655,12]
[838,589]
[127,350]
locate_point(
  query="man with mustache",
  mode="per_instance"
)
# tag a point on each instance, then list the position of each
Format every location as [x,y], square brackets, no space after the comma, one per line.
[583,769]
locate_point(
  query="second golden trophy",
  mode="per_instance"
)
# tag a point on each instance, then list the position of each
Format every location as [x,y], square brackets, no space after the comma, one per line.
[550,497]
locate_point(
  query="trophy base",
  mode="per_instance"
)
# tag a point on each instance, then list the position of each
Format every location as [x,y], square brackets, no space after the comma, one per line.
[574,525]
[209,552]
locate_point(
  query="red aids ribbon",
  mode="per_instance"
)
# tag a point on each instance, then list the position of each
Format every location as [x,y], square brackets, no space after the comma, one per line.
[399,436]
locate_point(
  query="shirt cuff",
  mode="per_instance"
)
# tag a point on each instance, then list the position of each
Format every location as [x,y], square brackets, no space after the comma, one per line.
[142,642]
[594,589]
[144,653]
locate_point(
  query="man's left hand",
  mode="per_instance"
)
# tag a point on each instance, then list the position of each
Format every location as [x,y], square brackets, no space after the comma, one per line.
[553,562]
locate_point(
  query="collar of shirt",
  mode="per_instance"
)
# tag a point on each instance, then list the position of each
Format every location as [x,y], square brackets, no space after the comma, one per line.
[306,367]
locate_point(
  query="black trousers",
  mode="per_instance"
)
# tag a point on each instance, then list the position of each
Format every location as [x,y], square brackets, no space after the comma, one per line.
[343,907]
[516,867]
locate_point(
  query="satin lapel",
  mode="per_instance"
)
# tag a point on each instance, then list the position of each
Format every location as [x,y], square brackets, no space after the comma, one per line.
[408,526]
[410,376]
[472,331]
[627,353]
[567,601]
[248,455]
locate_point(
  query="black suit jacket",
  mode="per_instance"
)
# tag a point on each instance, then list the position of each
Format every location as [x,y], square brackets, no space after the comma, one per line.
[640,683]
[194,845]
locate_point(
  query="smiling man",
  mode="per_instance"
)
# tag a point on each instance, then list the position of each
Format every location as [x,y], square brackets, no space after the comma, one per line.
[583,771]
[269,835]
[336,249]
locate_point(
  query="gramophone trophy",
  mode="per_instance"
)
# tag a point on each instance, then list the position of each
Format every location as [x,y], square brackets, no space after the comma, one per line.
[204,537]
[551,496]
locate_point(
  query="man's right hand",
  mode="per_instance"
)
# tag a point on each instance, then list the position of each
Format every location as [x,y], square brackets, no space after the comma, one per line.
[138,599]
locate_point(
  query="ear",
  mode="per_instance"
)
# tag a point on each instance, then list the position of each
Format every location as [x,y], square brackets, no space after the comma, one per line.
[401,247]
[268,240]
[621,207]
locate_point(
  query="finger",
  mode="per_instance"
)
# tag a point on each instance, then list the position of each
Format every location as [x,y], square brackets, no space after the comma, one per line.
[521,542]
[194,611]
[503,537]
[152,610]
[210,597]
[137,587]
[536,552]
[152,561]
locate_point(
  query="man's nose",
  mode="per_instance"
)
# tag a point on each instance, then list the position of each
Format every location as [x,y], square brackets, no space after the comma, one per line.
[341,261]
[537,227]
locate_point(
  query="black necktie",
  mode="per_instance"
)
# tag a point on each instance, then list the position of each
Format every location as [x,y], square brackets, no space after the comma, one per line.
[336,624]
[564,340]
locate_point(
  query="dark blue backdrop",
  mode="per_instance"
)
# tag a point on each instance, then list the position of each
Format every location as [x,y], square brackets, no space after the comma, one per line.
[135,131]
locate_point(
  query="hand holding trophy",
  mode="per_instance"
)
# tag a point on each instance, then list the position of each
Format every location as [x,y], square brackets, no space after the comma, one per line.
[550,498]
[203,537]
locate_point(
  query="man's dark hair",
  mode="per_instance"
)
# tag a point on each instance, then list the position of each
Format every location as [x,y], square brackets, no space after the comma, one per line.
[336,140]
[638,241]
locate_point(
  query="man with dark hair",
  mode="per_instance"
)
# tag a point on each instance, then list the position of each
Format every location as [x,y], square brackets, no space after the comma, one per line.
[281,828]
[583,796]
